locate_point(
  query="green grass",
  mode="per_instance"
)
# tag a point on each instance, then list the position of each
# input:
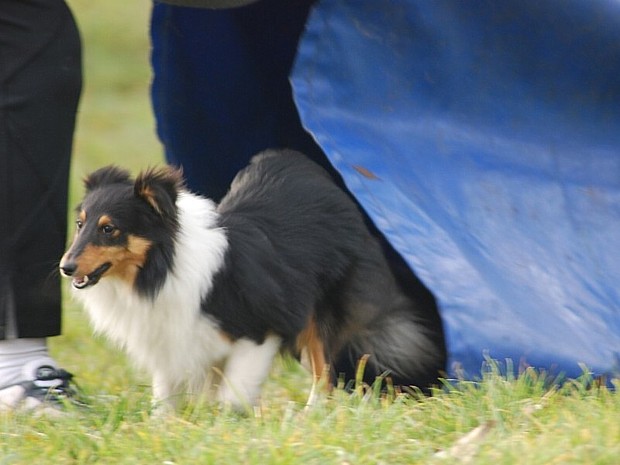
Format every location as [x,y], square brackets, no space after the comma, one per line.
[522,421]
[518,420]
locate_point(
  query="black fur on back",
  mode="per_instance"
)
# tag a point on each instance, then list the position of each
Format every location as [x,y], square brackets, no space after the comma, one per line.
[299,248]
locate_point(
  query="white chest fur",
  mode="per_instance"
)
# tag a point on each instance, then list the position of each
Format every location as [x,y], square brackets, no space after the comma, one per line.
[168,335]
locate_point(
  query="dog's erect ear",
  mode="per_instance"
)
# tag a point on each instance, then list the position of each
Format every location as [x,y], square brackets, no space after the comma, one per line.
[159,188]
[105,176]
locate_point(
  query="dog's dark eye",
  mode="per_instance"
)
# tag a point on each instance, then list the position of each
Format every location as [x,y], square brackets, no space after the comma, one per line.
[107,229]
[79,224]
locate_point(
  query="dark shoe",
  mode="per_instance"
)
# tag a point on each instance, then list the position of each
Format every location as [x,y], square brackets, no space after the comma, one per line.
[44,387]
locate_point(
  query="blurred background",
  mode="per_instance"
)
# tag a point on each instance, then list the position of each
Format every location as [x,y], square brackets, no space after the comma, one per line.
[115,121]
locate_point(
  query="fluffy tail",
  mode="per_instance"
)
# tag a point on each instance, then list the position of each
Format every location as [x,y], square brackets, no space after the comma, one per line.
[398,344]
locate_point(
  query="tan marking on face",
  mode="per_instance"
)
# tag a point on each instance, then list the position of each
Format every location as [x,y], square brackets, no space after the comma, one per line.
[103,220]
[125,261]
[82,218]
[106,220]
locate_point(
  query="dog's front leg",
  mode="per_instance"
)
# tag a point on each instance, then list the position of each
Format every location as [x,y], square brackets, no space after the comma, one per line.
[166,394]
[246,368]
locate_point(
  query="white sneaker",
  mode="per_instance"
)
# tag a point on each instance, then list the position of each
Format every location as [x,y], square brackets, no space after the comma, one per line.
[44,387]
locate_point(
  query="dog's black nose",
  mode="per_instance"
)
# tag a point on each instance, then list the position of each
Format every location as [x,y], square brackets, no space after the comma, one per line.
[68,268]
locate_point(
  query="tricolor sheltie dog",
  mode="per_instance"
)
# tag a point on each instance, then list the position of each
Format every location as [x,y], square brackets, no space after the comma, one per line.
[204,295]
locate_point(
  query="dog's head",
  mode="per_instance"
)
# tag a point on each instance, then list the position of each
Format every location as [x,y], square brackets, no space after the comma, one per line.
[121,223]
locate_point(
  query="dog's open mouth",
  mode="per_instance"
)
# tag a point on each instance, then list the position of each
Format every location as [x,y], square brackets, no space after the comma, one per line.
[92,278]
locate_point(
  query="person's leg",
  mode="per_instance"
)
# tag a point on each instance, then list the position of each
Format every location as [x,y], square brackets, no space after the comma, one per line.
[40,84]
[221,91]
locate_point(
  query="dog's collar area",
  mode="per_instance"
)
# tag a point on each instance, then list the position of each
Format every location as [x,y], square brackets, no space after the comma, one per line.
[92,278]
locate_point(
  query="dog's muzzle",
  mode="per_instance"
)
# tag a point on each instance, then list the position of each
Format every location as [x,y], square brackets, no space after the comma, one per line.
[68,270]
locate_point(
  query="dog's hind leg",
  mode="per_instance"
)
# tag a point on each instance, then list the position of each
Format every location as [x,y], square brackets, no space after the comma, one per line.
[246,368]
[318,368]
[312,352]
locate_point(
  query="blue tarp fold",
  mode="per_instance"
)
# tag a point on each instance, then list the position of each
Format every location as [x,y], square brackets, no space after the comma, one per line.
[483,138]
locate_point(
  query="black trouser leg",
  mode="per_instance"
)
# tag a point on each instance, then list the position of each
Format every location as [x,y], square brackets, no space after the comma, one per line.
[40,84]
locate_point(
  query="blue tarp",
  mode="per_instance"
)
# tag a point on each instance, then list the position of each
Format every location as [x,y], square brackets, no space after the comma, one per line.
[483,138]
